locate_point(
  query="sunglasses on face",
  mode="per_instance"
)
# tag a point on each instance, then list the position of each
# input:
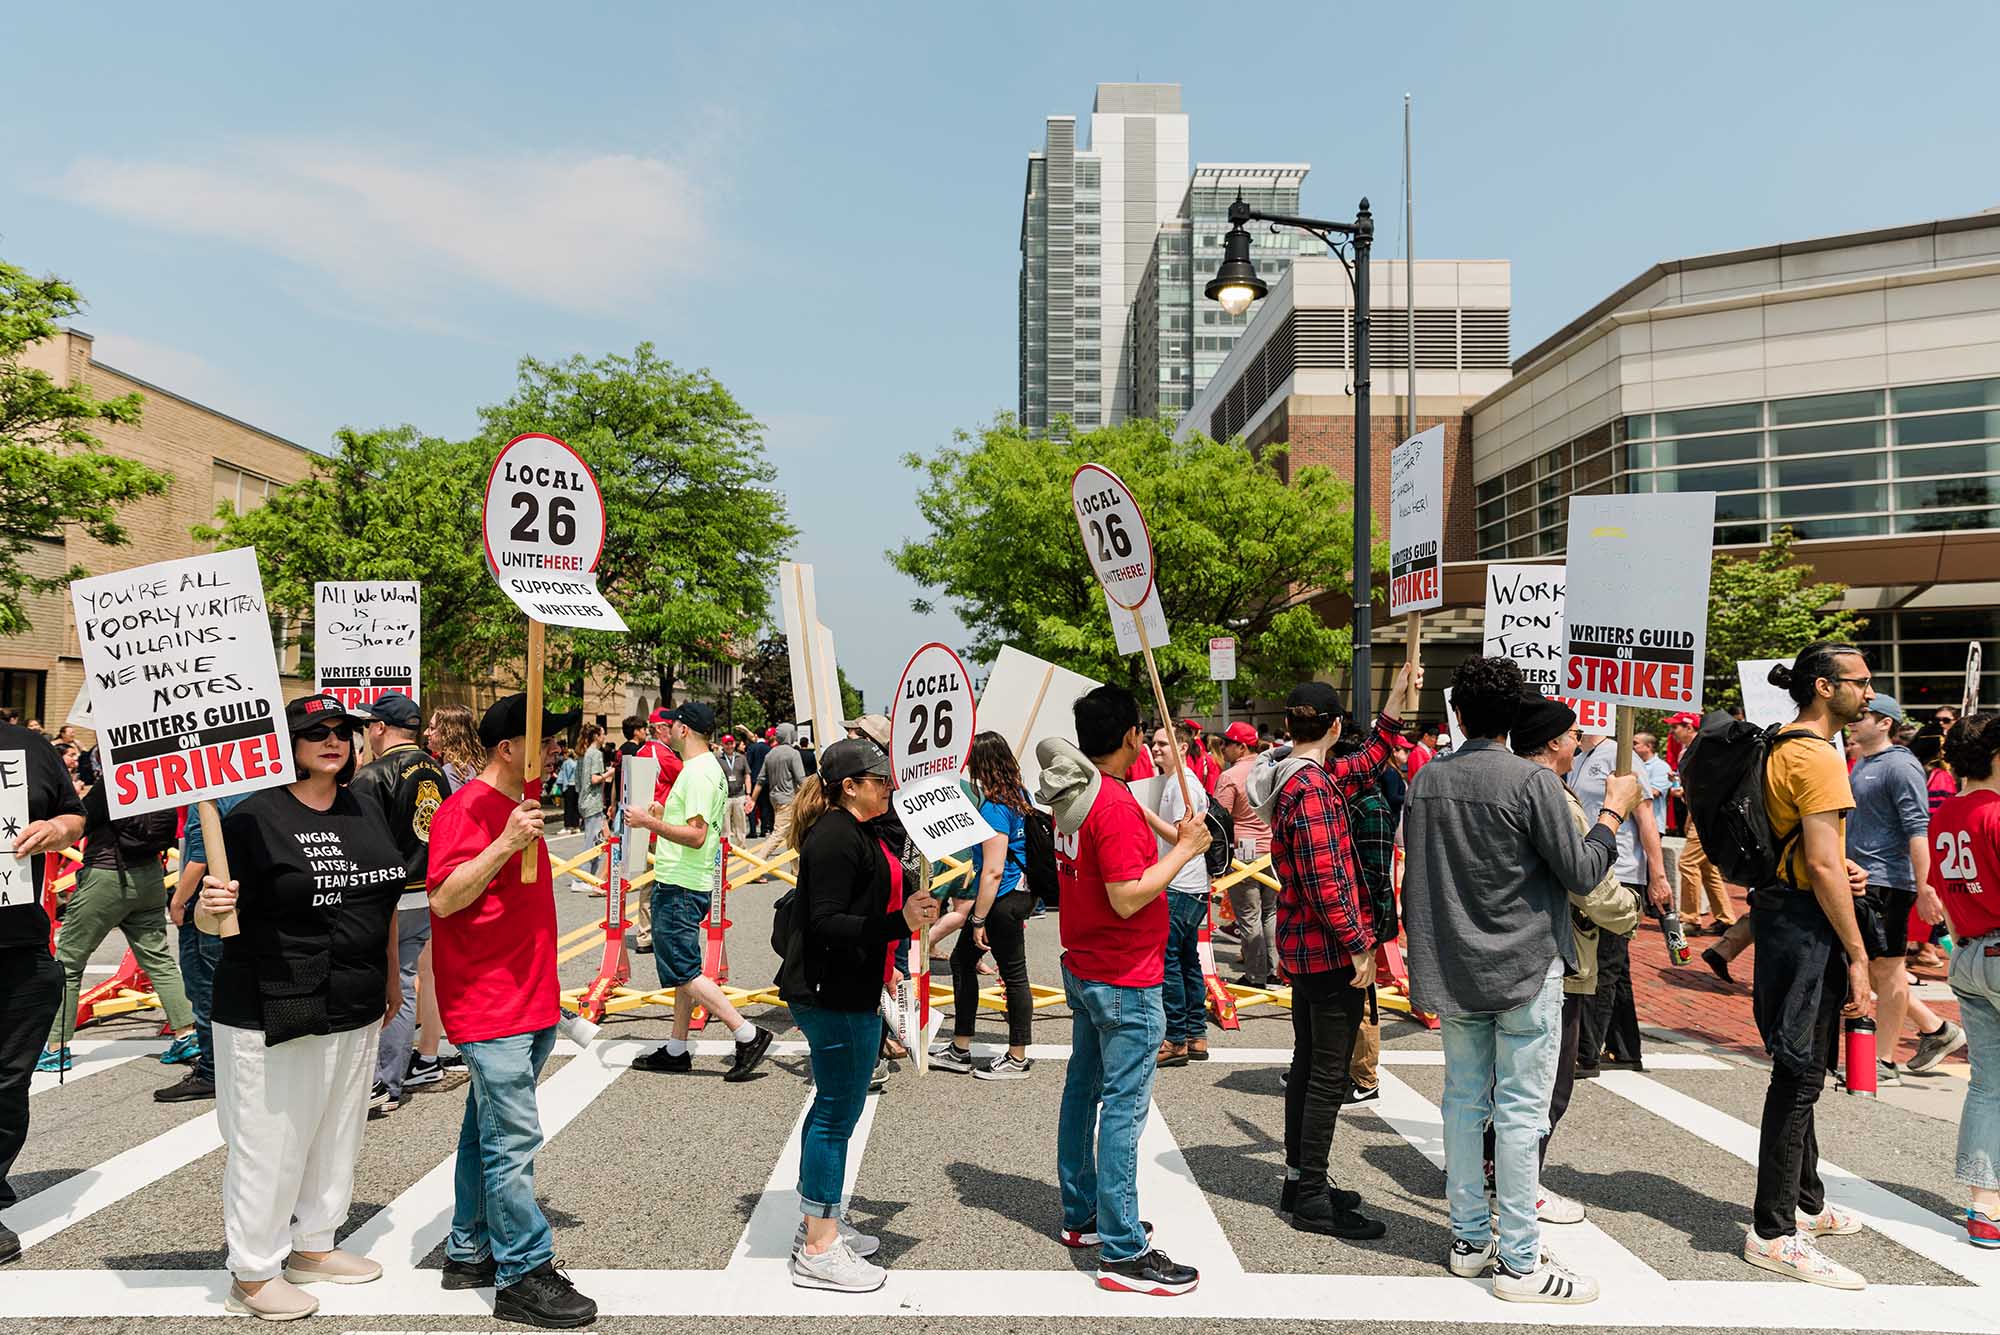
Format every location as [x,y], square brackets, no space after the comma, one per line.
[344,731]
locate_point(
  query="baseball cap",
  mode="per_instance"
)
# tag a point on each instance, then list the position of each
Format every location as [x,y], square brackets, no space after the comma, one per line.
[1886,706]
[1240,733]
[1192,725]
[850,758]
[875,727]
[508,717]
[1402,743]
[393,708]
[661,715]
[694,713]
[1690,719]
[1314,695]
[310,710]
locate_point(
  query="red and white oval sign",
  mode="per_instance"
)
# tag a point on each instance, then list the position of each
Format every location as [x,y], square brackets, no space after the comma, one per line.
[1115,537]
[931,718]
[544,511]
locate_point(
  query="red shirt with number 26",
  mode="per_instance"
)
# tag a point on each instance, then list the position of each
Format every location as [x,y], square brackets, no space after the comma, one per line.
[1965,862]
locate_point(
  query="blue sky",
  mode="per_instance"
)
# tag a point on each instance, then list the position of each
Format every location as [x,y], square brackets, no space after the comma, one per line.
[312,221]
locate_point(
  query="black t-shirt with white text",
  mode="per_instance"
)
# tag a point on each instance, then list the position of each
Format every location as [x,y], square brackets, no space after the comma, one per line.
[317,892]
[50,794]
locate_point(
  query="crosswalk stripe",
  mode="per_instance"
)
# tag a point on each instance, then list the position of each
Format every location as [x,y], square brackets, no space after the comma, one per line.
[94,1056]
[53,1209]
[767,1237]
[1167,1190]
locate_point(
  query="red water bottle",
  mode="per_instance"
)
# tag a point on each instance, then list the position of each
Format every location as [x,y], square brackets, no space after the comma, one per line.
[1861,1056]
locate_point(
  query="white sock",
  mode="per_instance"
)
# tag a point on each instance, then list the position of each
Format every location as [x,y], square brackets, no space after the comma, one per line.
[676,1047]
[744,1032]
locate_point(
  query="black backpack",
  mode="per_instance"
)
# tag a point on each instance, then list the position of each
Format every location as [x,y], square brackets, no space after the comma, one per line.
[1039,844]
[1221,853]
[1722,774]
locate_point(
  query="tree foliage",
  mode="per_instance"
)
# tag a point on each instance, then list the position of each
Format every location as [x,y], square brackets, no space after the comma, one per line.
[767,677]
[1237,549]
[54,475]
[1766,606]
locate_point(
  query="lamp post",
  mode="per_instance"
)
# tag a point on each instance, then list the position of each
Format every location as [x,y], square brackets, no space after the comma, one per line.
[1234,287]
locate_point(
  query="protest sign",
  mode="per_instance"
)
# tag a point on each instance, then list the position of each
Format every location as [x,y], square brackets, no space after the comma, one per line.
[931,726]
[1026,700]
[1524,622]
[366,638]
[1416,523]
[1125,624]
[815,675]
[544,530]
[1763,703]
[183,681]
[79,709]
[1637,626]
[1115,537]
[1969,697]
[17,875]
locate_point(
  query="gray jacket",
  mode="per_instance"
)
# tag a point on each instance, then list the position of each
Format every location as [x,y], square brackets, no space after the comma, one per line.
[1493,857]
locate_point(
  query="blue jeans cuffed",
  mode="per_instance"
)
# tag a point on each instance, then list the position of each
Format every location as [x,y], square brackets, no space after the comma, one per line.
[843,1046]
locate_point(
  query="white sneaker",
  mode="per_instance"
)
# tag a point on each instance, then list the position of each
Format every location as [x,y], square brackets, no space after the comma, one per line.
[837,1268]
[1832,1222]
[863,1244]
[1556,1208]
[1470,1262]
[1549,1282]
[1795,1255]
[948,1056]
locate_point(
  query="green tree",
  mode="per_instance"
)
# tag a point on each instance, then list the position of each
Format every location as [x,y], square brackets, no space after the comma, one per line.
[850,695]
[767,678]
[1766,606]
[694,522]
[1238,550]
[54,473]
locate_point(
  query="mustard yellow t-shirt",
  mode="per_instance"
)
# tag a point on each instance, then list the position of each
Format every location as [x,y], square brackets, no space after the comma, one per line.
[1804,778]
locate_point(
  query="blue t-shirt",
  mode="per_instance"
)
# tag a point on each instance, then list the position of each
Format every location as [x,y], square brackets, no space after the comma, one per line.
[1891,807]
[1660,779]
[1014,825]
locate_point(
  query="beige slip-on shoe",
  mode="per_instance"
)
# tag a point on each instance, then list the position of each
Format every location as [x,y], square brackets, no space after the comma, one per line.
[276,1301]
[336,1267]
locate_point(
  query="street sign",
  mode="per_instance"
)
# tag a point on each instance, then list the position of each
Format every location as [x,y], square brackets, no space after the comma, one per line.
[1115,537]
[543,525]
[1222,658]
[367,637]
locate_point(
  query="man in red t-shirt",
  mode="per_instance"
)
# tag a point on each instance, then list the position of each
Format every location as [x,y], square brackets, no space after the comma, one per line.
[1114,937]
[661,748]
[493,942]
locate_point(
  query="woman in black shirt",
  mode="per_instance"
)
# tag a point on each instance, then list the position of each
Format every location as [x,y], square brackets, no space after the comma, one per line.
[300,994]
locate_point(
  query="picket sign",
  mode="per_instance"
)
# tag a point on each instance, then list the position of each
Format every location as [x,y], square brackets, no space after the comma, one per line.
[1525,605]
[1119,547]
[367,639]
[17,875]
[815,674]
[1027,699]
[1969,698]
[543,526]
[1763,703]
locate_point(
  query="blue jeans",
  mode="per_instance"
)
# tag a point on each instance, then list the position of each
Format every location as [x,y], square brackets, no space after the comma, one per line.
[1115,1041]
[843,1045]
[392,1062]
[1184,993]
[1500,1067]
[678,913]
[1975,981]
[593,835]
[200,953]
[495,1213]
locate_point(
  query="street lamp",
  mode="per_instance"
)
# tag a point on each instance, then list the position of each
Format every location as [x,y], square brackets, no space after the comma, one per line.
[1234,287]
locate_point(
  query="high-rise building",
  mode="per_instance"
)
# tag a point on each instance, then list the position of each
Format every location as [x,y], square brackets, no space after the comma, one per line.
[1090,217]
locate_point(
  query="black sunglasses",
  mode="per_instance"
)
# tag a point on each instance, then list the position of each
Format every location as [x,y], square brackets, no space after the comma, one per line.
[345,731]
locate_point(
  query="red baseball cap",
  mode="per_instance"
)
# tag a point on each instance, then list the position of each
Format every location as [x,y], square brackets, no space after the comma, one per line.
[662,715]
[1241,733]
[1692,720]
[1401,743]
[1190,723]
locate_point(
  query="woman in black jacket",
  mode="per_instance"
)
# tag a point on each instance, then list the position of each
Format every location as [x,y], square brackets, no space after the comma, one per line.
[854,911]
[300,994]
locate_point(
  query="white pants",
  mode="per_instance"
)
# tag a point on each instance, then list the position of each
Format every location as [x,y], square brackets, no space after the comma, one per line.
[291,1116]
[738,817]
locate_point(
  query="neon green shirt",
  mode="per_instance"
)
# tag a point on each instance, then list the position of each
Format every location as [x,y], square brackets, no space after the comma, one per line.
[700,790]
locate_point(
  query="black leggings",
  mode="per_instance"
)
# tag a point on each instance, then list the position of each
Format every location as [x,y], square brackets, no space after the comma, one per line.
[1006,933]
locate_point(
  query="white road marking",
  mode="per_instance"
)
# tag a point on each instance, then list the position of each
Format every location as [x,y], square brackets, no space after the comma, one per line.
[1938,1240]
[51,1210]
[1167,1190]
[765,1248]
[92,1056]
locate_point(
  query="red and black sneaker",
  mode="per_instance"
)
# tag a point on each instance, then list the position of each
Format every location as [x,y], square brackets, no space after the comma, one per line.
[1982,1229]
[1151,1272]
[1087,1235]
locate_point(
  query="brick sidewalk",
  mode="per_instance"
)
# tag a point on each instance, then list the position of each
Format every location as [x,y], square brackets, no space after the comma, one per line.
[1691,1000]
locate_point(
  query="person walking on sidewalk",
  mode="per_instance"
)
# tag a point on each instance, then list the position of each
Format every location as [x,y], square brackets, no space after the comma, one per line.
[594,778]
[1811,963]
[778,783]
[1183,991]
[1493,857]
[1326,936]
[687,860]
[1114,937]
[1888,836]
[494,935]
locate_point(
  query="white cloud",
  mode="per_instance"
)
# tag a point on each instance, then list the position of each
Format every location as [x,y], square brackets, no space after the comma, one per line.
[585,232]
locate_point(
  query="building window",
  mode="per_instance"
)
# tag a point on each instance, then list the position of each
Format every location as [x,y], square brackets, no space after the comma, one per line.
[241,491]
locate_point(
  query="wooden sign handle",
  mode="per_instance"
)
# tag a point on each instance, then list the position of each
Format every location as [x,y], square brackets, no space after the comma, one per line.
[532,773]
[218,866]
[1413,649]
[1625,726]
[1166,716]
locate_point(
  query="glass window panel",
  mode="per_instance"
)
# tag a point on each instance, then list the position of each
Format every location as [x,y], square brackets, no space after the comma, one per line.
[1492,512]
[1728,417]
[1591,470]
[1489,489]
[1640,427]
[1638,456]
[1714,449]
[1935,657]
[1737,535]
[1821,439]
[1963,394]
[1520,476]
[1933,691]
[1742,477]
[1831,500]
[1874,626]
[1944,492]
[1830,468]
[1740,505]
[1942,521]
[1549,542]
[1840,528]
[1952,459]
[1947,426]
[1640,482]
[1952,623]
[1826,407]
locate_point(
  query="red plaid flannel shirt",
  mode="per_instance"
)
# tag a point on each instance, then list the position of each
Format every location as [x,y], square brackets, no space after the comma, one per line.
[1324,919]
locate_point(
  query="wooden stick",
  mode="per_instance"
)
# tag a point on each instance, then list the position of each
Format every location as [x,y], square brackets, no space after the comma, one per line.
[1624,765]
[218,867]
[1166,715]
[1413,650]
[532,775]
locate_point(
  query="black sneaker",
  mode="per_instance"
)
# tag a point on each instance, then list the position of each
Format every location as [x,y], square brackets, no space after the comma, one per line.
[1364,1094]
[1152,1273]
[10,1245]
[1317,1212]
[1087,1235]
[380,1100]
[661,1061]
[544,1297]
[1288,1197]
[1717,965]
[470,1274]
[188,1089]
[423,1071]
[748,1057]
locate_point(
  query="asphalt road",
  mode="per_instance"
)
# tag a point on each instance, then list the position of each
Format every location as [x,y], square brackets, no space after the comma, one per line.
[665,1175]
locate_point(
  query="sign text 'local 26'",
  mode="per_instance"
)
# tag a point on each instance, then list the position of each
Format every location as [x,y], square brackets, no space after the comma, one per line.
[544,530]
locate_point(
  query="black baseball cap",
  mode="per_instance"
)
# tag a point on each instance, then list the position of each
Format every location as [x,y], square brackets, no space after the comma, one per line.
[695,714]
[309,711]
[508,717]
[393,708]
[850,758]
[1317,696]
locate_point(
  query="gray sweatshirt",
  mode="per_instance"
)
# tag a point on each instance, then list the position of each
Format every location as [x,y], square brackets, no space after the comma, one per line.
[1493,856]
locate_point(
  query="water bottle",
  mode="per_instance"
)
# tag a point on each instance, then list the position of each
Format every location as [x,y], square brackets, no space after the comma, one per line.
[1861,1056]
[1677,942]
